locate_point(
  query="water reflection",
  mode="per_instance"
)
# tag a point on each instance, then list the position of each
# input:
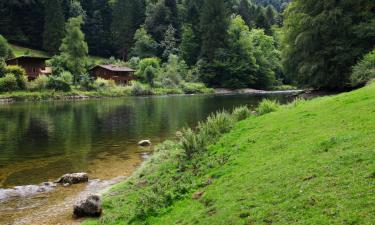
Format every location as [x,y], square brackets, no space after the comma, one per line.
[41,141]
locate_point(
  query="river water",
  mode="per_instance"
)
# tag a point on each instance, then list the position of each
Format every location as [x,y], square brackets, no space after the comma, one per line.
[39,142]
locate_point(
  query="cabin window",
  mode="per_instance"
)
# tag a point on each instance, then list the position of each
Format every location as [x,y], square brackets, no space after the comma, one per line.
[34,70]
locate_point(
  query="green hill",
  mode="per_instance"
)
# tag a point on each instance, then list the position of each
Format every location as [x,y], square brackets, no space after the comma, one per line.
[311,162]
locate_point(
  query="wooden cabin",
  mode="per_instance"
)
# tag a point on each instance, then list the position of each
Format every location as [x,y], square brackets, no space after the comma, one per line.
[120,74]
[33,65]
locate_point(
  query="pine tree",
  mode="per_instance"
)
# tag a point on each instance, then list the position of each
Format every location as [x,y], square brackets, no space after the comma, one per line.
[74,49]
[189,46]
[214,25]
[53,26]
[128,16]
[97,26]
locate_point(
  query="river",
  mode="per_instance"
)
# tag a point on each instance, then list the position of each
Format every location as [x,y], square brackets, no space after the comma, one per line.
[41,141]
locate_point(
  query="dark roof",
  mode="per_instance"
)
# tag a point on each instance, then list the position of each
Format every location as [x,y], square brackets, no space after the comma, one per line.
[115,68]
[29,57]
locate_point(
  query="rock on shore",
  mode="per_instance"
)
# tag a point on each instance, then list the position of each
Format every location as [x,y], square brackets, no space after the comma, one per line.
[89,206]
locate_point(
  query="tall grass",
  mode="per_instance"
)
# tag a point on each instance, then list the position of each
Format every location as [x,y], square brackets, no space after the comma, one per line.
[267,106]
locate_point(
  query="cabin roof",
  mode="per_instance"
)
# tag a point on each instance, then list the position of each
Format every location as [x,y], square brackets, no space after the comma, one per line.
[115,68]
[29,57]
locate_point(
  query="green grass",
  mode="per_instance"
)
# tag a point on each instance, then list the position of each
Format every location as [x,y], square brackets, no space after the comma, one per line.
[19,51]
[311,162]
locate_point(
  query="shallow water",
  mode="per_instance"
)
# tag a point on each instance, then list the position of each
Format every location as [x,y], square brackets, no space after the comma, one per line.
[41,141]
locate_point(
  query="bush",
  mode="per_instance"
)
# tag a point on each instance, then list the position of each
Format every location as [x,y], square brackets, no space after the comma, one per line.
[267,106]
[86,82]
[139,89]
[101,84]
[39,84]
[144,64]
[58,84]
[20,75]
[241,113]
[8,83]
[207,132]
[364,71]
[194,88]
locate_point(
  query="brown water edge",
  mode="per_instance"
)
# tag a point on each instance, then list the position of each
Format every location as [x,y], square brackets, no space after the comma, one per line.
[56,206]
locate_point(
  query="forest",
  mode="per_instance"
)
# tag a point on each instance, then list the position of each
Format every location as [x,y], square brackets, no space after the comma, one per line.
[257,44]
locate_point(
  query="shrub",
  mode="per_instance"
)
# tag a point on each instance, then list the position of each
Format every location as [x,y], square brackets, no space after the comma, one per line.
[194,88]
[58,84]
[101,84]
[67,77]
[20,75]
[364,71]
[40,83]
[191,142]
[8,83]
[215,125]
[267,106]
[144,64]
[138,89]
[86,82]
[2,67]
[241,113]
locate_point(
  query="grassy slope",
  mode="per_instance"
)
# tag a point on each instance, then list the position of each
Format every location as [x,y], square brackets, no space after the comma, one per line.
[19,51]
[309,164]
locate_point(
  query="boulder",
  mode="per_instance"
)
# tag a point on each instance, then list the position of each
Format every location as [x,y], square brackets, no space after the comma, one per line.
[73,178]
[89,206]
[144,143]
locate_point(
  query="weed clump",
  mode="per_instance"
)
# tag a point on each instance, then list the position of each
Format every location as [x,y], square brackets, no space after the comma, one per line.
[267,106]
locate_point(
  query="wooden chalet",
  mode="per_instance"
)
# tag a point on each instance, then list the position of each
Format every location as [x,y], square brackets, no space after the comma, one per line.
[120,74]
[33,65]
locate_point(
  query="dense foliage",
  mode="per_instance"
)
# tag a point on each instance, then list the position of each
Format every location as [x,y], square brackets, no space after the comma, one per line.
[224,43]
[195,31]
[324,39]
[364,70]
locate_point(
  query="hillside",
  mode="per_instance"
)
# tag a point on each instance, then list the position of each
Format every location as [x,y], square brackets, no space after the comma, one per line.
[19,50]
[311,162]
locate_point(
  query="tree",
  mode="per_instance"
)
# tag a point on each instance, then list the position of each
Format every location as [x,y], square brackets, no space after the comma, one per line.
[214,24]
[364,70]
[324,39]
[157,20]
[145,46]
[97,26]
[189,46]
[53,26]
[5,49]
[124,25]
[169,44]
[74,49]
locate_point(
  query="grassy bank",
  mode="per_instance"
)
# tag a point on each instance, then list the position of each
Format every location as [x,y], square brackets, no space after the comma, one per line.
[45,95]
[311,162]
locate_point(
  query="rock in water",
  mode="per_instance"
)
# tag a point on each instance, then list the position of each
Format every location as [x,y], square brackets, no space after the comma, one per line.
[89,206]
[73,178]
[144,143]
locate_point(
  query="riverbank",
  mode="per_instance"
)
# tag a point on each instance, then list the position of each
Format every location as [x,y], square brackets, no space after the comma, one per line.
[309,162]
[51,95]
